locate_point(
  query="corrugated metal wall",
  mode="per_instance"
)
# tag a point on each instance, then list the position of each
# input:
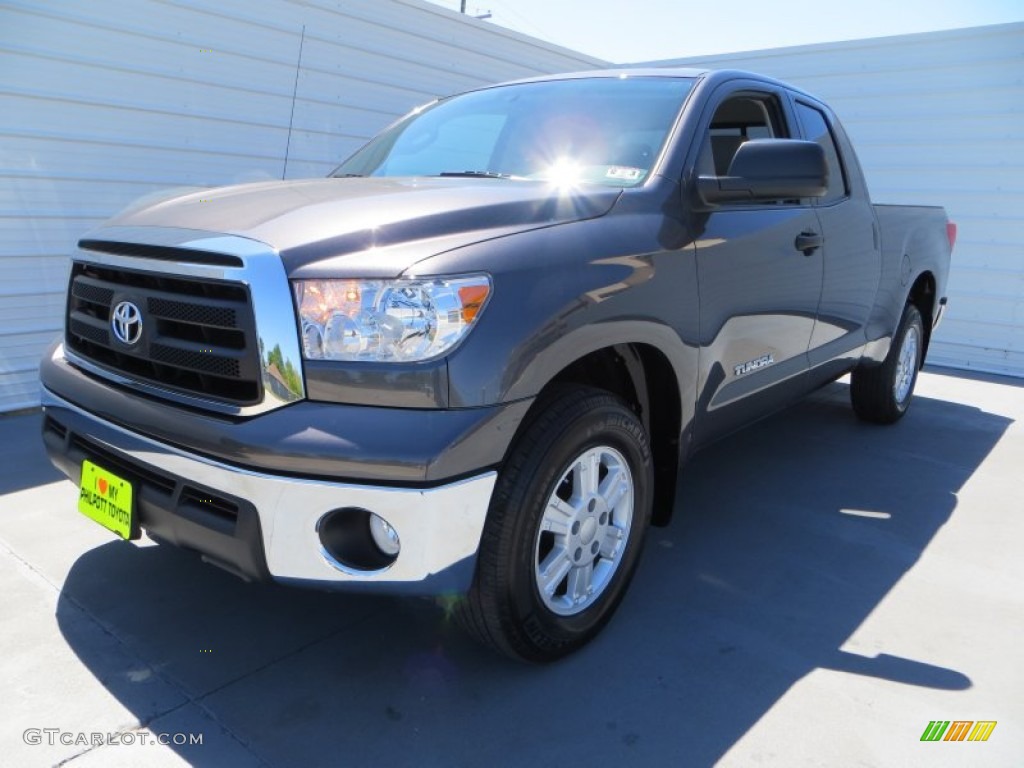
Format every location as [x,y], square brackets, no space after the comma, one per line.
[937,118]
[105,102]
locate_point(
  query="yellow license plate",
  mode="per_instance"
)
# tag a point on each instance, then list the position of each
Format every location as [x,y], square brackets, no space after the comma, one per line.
[107,499]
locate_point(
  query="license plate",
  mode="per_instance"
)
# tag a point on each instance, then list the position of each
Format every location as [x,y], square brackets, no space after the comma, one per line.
[107,499]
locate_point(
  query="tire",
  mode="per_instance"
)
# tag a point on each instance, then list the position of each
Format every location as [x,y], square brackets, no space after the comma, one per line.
[550,533]
[881,394]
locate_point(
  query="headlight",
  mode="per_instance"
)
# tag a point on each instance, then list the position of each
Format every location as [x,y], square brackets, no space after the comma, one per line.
[387,320]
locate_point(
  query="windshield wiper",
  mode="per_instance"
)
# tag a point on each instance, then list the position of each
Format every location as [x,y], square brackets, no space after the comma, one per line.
[347,176]
[477,174]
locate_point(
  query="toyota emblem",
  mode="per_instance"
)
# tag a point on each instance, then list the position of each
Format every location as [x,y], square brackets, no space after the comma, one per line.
[126,323]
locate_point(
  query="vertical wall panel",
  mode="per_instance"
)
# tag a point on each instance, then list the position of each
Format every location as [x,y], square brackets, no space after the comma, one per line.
[106,102]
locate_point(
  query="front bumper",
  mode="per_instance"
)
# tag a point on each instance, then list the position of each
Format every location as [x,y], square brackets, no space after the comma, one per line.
[307,439]
[261,525]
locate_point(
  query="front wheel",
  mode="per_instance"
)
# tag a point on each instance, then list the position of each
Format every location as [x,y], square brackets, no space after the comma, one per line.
[564,530]
[882,394]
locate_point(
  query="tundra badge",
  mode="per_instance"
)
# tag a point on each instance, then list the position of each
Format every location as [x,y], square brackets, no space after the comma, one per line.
[759,362]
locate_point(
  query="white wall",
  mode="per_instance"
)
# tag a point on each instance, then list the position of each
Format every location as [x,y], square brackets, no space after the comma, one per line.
[937,118]
[103,102]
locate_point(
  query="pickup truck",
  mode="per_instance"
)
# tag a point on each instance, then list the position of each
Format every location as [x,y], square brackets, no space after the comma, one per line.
[471,362]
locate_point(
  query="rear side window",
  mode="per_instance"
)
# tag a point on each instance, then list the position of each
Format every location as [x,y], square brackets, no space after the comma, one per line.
[816,128]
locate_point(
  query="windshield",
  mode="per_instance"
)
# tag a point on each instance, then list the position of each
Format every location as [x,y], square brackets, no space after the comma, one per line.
[594,130]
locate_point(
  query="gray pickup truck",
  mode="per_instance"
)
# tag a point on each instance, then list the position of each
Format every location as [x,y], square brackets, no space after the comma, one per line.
[471,362]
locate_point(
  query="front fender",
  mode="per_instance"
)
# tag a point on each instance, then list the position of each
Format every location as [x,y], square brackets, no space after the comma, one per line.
[530,374]
[628,277]
[543,317]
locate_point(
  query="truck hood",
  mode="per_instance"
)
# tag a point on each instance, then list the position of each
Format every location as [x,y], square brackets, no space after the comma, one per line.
[369,227]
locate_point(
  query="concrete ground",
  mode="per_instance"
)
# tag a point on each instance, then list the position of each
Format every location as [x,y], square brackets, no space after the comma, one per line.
[826,590]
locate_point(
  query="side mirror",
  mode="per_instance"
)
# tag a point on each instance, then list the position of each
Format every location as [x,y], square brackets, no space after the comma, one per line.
[769,169]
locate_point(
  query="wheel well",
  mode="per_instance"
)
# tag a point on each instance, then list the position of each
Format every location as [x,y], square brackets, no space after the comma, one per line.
[642,376]
[922,296]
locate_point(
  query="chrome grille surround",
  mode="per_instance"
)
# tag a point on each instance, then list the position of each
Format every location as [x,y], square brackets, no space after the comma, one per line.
[274,332]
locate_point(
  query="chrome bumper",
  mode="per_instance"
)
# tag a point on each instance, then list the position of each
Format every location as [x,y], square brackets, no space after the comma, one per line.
[439,527]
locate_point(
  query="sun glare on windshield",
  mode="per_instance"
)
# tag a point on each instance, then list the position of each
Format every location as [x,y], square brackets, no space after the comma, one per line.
[563,173]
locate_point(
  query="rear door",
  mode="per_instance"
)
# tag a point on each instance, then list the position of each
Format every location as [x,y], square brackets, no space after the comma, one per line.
[851,255]
[758,293]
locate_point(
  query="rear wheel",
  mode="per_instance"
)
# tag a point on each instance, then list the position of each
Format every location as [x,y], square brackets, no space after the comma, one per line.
[882,394]
[564,530]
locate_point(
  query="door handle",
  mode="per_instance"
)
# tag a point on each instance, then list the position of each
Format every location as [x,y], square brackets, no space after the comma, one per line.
[808,241]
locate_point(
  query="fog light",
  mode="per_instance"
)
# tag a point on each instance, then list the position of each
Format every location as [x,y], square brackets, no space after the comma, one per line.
[384,536]
[356,540]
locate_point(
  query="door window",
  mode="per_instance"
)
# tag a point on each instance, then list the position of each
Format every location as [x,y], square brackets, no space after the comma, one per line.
[815,126]
[738,119]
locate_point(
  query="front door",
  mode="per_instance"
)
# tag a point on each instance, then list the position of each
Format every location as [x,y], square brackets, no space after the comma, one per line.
[758,292]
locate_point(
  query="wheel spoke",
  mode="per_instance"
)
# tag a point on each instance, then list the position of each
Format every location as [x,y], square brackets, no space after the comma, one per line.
[553,570]
[613,488]
[557,516]
[610,547]
[590,473]
[580,579]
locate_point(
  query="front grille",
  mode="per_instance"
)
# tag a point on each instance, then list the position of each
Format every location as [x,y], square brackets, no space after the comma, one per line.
[198,335]
[200,314]
[197,361]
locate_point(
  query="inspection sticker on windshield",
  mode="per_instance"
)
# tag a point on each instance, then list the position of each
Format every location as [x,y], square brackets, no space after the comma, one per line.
[624,173]
[107,499]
